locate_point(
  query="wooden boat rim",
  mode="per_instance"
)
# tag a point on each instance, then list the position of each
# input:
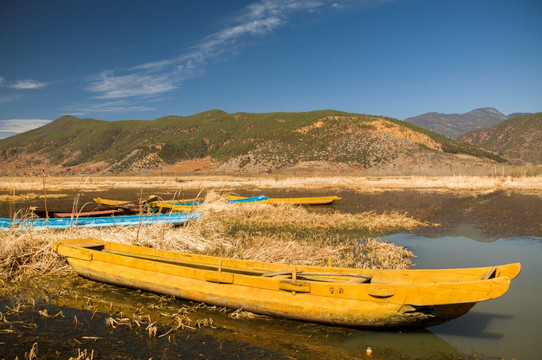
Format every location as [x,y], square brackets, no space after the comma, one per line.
[511,270]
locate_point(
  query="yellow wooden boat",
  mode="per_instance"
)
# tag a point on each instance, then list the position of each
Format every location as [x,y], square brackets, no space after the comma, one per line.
[109,202]
[312,200]
[165,205]
[339,296]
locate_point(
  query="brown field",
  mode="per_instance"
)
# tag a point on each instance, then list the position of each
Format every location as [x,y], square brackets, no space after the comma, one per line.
[197,182]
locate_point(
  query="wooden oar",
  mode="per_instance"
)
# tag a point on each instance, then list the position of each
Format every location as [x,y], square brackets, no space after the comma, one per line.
[303,273]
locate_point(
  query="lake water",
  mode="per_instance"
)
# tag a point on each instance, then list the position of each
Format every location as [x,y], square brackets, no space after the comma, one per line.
[484,230]
[507,326]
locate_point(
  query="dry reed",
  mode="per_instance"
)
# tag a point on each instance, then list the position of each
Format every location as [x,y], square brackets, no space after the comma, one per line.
[83,355]
[358,183]
[299,218]
[27,196]
[33,353]
[251,231]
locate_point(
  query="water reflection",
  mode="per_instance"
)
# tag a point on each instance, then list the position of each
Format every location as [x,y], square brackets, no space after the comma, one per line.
[476,326]
[466,229]
[507,326]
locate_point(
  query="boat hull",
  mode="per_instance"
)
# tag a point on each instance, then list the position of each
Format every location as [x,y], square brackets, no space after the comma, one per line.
[314,200]
[68,223]
[246,285]
[344,313]
[42,213]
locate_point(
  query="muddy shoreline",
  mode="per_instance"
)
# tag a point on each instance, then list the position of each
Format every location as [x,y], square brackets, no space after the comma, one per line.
[113,323]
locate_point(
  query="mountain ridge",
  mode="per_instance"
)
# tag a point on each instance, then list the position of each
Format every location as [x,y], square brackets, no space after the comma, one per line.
[239,142]
[518,138]
[454,125]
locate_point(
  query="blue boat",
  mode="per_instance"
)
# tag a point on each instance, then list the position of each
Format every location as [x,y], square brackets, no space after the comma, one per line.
[247,200]
[230,201]
[67,223]
[180,205]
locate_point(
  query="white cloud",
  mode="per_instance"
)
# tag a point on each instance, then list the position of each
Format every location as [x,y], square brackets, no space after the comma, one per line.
[338,6]
[257,19]
[107,107]
[27,84]
[136,84]
[21,125]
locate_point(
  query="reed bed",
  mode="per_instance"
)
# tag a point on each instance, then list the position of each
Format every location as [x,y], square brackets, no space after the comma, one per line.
[27,196]
[299,218]
[221,182]
[283,234]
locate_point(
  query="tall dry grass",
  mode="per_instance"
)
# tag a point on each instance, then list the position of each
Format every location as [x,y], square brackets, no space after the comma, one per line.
[221,182]
[299,218]
[250,231]
[27,196]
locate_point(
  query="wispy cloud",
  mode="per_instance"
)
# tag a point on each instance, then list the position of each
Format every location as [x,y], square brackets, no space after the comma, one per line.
[111,106]
[5,99]
[113,86]
[148,79]
[21,125]
[27,84]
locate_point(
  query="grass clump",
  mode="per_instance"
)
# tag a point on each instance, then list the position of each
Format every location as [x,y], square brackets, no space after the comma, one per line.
[299,218]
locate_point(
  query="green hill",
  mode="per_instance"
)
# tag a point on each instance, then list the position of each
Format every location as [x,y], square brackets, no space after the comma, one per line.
[519,138]
[256,142]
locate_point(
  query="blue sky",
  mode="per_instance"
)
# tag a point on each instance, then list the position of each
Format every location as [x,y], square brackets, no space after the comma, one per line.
[132,59]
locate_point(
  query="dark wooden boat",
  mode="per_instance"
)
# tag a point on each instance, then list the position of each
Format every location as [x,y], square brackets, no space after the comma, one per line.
[42,213]
[128,206]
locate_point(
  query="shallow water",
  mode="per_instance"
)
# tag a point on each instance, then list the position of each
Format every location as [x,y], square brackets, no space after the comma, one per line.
[495,228]
[260,338]
[507,326]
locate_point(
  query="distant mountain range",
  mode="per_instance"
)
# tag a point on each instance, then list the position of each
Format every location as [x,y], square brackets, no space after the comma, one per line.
[216,141]
[517,138]
[454,125]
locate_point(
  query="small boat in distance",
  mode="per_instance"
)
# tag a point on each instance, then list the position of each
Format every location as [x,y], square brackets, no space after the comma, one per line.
[187,205]
[107,221]
[376,299]
[312,200]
